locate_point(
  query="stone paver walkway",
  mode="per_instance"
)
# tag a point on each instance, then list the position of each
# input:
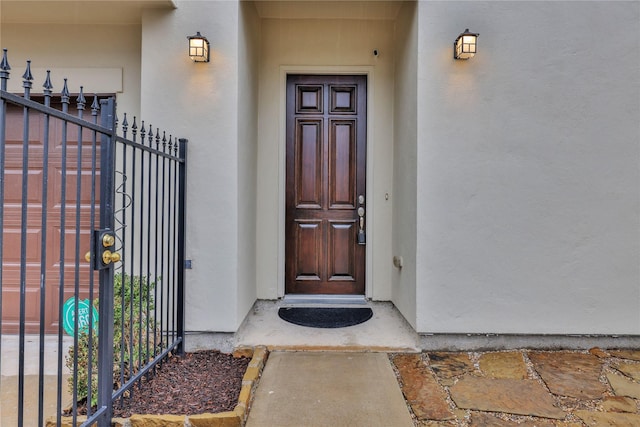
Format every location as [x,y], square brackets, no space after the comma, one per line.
[522,388]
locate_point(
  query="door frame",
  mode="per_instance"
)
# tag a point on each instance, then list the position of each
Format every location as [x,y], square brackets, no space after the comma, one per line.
[285,70]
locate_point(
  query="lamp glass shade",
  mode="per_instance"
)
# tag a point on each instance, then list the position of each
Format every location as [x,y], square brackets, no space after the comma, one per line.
[465,46]
[198,48]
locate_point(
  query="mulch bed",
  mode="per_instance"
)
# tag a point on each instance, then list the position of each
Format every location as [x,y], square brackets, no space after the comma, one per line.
[200,382]
[207,381]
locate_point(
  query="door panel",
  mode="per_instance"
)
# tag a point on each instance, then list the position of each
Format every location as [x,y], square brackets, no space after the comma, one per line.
[341,245]
[342,177]
[309,243]
[326,172]
[343,99]
[308,175]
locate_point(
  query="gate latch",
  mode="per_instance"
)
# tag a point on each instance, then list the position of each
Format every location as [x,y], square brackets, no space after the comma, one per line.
[104,242]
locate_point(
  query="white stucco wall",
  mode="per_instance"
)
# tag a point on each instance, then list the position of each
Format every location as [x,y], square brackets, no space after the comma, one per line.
[324,46]
[102,58]
[248,77]
[405,161]
[508,183]
[528,203]
[200,101]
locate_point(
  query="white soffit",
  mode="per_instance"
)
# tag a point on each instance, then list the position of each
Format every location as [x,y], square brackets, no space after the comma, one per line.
[328,9]
[78,11]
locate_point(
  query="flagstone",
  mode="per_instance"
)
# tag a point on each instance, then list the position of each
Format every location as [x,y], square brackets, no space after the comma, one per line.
[538,423]
[619,404]
[616,419]
[598,352]
[436,424]
[622,386]
[461,414]
[570,374]
[522,397]
[450,365]
[503,365]
[482,419]
[626,354]
[629,369]
[421,389]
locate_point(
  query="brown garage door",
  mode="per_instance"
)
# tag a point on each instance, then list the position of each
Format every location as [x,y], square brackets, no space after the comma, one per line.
[46,270]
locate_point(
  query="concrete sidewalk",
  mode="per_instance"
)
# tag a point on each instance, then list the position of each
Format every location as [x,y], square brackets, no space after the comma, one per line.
[9,379]
[333,389]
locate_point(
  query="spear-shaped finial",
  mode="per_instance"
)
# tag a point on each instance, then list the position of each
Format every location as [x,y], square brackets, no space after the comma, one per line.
[4,64]
[65,96]
[143,132]
[81,101]
[47,83]
[27,80]
[125,125]
[4,70]
[150,135]
[47,89]
[95,106]
[134,129]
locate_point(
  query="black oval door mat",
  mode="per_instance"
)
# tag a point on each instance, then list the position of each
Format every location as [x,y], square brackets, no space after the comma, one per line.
[325,317]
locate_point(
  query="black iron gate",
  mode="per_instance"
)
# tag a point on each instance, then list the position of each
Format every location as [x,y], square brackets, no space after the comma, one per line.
[92,252]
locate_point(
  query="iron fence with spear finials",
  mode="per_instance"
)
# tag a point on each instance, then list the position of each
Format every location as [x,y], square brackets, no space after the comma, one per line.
[93,226]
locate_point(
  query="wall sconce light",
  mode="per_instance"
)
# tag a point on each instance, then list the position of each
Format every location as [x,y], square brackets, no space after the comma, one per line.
[465,45]
[198,48]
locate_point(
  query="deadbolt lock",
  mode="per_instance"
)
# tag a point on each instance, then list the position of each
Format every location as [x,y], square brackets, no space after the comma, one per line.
[108,240]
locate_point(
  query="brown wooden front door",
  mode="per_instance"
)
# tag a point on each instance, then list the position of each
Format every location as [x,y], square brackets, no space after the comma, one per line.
[325,182]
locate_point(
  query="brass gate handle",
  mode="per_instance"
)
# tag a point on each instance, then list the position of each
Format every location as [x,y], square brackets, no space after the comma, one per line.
[107,257]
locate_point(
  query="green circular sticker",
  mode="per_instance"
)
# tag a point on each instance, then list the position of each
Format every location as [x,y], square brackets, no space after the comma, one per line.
[69,312]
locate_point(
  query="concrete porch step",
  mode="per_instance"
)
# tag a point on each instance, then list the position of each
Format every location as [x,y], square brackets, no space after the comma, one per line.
[386,331]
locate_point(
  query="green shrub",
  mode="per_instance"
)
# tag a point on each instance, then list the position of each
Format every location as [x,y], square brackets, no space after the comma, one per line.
[130,349]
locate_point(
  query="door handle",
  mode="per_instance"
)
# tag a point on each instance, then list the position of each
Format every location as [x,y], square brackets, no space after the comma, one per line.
[108,257]
[361,234]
